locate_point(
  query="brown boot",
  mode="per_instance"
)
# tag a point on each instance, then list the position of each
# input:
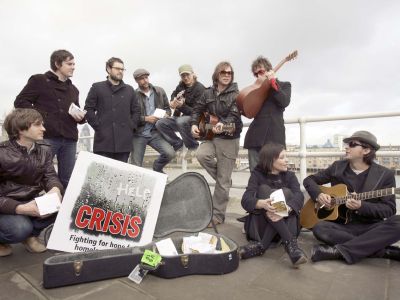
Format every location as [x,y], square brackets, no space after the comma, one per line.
[5,250]
[33,245]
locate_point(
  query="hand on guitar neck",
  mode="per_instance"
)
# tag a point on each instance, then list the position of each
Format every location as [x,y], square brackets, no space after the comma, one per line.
[325,201]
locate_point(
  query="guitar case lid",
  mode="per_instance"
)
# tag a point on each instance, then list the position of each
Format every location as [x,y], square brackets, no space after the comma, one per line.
[186,205]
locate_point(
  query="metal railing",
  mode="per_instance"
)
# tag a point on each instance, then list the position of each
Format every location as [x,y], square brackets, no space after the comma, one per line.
[303,153]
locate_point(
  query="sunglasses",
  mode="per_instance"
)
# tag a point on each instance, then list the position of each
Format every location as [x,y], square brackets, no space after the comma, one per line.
[353,144]
[226,73]
[259,72]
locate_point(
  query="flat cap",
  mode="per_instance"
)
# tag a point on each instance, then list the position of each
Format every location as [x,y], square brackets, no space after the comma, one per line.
[140,72]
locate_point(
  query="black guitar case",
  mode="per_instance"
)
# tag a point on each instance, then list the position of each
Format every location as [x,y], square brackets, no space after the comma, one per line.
[186,207]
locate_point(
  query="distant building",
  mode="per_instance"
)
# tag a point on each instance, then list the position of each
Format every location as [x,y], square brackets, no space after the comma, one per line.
[85,144]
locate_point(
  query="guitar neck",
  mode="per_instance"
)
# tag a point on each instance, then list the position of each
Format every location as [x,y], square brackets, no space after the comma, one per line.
[367,195]
[278,66]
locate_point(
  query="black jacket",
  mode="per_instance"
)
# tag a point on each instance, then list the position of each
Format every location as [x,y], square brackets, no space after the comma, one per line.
[23,175]
[379,177]
[268,125]
[192,94]
[160,101]
[113,112]
[52,98]
[283,180]
[221,105]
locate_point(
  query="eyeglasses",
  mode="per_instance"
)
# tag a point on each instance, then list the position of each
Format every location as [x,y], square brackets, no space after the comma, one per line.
[353,144]
[119,69]
[226,73]
[259,72]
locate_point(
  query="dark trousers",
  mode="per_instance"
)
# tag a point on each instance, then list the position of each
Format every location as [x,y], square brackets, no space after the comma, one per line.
[259,228]
[357,241]
[122,156]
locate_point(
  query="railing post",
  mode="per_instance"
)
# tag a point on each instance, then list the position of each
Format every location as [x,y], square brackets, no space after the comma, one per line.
[303,149]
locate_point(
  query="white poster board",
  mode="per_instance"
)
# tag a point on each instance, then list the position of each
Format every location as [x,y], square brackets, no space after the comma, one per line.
[108,204]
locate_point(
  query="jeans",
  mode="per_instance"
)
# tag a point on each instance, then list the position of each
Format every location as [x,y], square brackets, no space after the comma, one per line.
[156,142]
[65,150]
[253,157]
[17,228]
[168,128]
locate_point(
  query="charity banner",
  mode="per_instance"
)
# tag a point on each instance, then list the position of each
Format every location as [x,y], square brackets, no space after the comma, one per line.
[108,204]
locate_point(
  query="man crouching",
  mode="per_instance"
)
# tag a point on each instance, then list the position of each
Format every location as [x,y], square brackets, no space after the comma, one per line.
[26,169]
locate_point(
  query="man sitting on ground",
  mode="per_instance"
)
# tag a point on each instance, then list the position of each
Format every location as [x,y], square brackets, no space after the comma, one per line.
[371,225]
[26,169]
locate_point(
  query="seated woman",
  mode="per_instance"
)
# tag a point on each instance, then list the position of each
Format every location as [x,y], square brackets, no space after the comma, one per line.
[263,224]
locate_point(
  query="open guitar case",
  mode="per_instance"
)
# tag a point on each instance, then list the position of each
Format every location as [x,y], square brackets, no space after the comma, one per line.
[186,207]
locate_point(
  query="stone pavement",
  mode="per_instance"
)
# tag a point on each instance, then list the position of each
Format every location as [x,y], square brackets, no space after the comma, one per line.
[268,277]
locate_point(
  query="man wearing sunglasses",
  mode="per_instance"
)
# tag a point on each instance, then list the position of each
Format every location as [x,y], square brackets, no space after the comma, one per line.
[113,112]
[218,155]
[268,125]
[372,225]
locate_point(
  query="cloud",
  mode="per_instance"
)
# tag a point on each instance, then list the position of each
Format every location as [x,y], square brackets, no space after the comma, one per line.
[347,49]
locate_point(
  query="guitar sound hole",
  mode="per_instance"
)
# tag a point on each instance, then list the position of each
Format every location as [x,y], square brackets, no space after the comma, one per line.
[324,213]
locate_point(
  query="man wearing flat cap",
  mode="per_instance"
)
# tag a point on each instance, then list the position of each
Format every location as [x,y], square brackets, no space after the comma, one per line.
[367,225]
[150,99]
[183,99]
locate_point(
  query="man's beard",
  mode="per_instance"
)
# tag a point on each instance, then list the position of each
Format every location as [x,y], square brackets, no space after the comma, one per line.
[112,77]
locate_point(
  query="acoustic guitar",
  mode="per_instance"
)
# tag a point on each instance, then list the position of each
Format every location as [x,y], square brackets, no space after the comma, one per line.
[251,98]
[206,124]
[312,212]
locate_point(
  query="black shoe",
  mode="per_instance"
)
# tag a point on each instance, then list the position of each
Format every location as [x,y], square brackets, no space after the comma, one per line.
[325,252]
[242,219]
[252,249]
[296,255]
[392,252]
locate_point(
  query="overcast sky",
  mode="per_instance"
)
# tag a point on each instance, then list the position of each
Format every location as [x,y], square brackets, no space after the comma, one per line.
[348,59]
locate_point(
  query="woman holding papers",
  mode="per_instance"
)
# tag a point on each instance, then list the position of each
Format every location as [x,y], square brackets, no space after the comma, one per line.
[273,199]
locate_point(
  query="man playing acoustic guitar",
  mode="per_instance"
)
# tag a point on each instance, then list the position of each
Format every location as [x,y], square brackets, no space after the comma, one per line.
[268,125]
[218,155]
[371,226]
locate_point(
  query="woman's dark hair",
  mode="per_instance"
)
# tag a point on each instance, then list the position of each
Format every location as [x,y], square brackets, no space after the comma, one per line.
[57,58]
[268,154]
[20,119]
[220,67]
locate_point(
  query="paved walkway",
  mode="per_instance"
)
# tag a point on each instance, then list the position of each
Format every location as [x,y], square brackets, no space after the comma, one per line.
[266,277]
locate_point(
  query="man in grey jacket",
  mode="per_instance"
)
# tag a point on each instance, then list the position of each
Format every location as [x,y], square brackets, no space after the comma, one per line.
[154,105]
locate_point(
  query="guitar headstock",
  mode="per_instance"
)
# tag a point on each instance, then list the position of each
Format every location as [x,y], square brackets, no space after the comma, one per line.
[291,56]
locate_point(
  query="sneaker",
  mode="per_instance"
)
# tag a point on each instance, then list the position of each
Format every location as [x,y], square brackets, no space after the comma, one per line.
[33,245]
[252,249]
[5,250]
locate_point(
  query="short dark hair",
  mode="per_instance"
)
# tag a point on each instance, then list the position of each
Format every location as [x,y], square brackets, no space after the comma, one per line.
[21,119]
[111,61]
[220,67]
[268,154]
[261,61]
[57,58]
